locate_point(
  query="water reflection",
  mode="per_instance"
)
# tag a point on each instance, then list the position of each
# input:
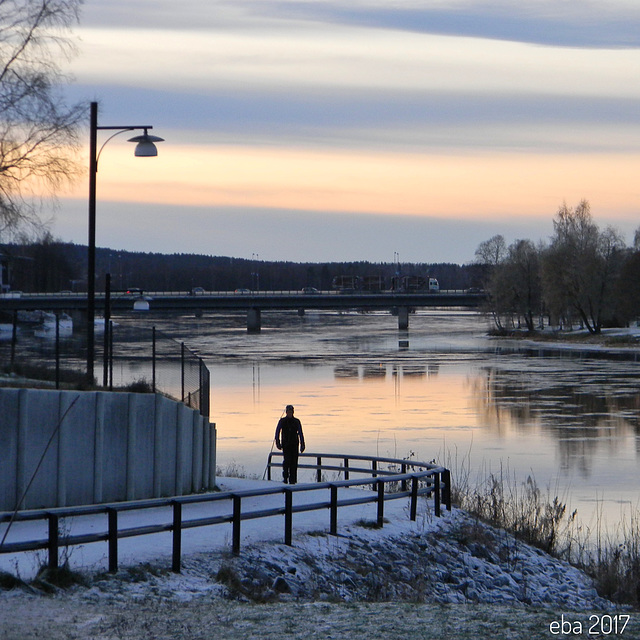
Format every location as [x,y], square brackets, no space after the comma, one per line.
[441,390]
[589,413]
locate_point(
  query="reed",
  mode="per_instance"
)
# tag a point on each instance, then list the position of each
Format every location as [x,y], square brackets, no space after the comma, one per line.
[542,519]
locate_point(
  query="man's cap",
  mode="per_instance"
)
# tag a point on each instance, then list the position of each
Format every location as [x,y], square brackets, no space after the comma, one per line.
[289,406]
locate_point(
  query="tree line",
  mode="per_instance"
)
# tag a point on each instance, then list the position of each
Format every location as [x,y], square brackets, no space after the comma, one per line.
[49,265]
[584,276]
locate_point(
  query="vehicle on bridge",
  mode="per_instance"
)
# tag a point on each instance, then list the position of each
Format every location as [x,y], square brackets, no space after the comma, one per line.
[410,284]
[373,283]
[346,284]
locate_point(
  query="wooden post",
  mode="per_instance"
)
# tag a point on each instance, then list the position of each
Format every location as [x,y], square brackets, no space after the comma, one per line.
[346,468]
[237,508]
[333,526]
[380,503]
[54,541]
[436,493]
[288,516]
[414,498]
[318,469]
[177,536]
[113,540]
[403,484]
[446,493]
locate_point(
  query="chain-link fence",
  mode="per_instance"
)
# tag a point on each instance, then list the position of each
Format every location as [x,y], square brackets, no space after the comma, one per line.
[45,347]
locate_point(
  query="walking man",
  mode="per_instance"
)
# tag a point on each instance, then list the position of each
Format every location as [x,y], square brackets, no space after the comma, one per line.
[289,438]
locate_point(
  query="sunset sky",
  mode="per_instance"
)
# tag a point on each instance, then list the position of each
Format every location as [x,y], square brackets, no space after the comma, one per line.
[324,130]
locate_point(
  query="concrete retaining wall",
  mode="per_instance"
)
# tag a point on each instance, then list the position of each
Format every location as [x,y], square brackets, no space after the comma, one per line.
[68,448]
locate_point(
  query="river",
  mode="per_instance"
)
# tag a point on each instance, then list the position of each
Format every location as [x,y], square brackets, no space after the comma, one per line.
[441,391]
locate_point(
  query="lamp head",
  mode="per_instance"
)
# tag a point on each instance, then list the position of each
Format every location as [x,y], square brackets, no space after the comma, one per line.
[145,147]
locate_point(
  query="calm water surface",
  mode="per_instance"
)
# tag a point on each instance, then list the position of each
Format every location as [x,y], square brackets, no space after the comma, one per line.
[442,391]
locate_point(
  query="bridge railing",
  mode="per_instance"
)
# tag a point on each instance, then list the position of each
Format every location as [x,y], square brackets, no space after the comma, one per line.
[420,479]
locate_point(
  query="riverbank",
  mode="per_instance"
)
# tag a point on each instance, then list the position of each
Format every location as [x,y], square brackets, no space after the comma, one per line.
[451,577]
[616,343]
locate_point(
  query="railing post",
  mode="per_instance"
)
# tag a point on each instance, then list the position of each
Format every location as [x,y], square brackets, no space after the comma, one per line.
[333,526]
[346,468]
[113,540]
[111,357]
[380,502]
[447,488]
[436,493]
[374,469]
[403,483]
[237,507]
[414,498]
[54,540]
[182,372]
[288,516]
[177,536]
[153,358]
[318,469]
[269,466]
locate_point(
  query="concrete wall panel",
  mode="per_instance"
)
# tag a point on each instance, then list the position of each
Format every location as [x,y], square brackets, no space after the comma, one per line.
[114,444]
[39,417]
[8,446]
[76,450]
[107,447]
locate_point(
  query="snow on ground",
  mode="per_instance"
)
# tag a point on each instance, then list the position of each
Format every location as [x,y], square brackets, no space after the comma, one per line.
[452,559]
[450,577]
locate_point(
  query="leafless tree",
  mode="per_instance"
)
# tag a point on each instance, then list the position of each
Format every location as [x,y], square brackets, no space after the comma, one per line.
[580,267]
[38,131]
[514,286]
[492,251]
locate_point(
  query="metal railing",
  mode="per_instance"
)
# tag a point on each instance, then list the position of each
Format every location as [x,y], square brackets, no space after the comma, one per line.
[129,354]
[423,480]
[138,354]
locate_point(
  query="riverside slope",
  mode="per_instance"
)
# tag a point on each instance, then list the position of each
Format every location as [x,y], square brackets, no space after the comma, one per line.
[451,577]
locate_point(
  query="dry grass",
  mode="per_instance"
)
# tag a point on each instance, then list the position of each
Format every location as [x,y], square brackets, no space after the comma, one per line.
[541,519]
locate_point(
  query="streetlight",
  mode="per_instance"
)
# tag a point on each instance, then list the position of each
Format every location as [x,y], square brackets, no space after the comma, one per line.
[145,148]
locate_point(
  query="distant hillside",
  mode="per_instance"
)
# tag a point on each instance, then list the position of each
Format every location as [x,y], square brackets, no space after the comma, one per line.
[57,266]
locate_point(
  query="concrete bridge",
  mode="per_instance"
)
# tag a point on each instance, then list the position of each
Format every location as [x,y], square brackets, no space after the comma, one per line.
[251,302]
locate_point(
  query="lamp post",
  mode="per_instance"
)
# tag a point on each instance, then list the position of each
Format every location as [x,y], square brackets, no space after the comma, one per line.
[145,148]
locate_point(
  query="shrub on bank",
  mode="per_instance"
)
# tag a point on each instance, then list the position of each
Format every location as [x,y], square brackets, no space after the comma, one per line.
[544,522]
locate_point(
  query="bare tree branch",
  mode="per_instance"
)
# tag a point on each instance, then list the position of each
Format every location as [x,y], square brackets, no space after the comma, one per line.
[38,131]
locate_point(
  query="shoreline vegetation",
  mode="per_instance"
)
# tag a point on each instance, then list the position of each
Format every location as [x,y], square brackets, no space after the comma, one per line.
[542,520]
[615,337]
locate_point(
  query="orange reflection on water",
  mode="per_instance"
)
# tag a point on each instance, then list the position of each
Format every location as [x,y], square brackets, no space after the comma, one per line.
[369,410]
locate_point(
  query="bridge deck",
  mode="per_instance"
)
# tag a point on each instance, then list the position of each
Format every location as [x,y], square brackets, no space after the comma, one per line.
[167,301]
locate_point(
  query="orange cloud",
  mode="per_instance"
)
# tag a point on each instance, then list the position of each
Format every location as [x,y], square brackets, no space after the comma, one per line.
[466,185]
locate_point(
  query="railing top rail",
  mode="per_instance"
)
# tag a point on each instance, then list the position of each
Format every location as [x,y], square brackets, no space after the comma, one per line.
[343,456]
[63,512]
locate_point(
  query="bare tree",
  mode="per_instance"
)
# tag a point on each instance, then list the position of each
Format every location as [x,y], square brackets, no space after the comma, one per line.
[522,272]
[580,267]
[514,287]
[37,130]
[492,251]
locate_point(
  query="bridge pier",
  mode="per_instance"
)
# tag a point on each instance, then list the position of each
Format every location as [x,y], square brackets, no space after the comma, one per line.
[403,318]
[253,320]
